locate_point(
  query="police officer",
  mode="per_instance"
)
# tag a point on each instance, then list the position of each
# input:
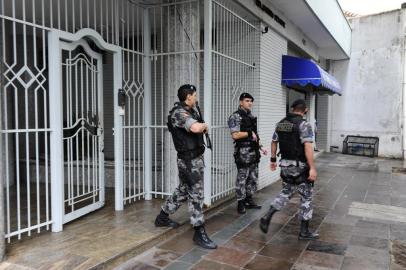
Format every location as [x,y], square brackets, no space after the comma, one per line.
[187,131]
[243,128]
[298,172]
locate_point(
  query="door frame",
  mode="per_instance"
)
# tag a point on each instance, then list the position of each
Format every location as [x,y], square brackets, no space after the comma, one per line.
[71,46]
[56,118]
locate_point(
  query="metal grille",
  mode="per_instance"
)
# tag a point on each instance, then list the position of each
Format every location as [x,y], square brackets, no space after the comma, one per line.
[25,122]
[24,94]
[176,59]
[162,48]
[82,129]
[235,56]
[131,38]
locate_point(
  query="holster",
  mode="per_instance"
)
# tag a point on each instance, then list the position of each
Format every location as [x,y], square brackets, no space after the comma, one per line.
[295,174]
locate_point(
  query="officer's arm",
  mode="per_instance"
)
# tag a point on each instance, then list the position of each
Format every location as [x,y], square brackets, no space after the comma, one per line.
[310,160]
[199,127]
[309,154]
[274,148]
[239,135]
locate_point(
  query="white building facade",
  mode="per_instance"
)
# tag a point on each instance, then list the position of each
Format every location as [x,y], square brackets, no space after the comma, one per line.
[86,86]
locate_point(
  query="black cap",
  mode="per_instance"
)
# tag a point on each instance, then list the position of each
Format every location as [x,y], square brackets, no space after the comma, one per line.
[246,95]
[298,102]
[187,87]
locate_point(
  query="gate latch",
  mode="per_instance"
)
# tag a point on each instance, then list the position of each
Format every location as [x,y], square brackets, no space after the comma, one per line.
[121,101]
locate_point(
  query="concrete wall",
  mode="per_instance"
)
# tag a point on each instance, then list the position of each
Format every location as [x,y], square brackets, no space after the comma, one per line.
[372,81]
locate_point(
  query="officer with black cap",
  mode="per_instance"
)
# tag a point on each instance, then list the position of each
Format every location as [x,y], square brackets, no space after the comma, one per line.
[244,131]
[187,129]
[298,172]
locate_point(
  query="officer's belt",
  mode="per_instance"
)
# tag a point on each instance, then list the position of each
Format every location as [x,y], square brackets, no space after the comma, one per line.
[191,154]
[252,143]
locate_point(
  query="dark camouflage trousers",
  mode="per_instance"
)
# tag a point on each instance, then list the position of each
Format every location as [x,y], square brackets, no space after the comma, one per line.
[190,189]
[305,190]
[247,175]
[247,181]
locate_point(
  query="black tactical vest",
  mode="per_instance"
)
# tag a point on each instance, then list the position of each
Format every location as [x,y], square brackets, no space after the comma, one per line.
[291,148]
[189,145]
[248,123]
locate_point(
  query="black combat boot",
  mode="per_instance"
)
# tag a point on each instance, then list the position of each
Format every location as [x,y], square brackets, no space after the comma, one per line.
[305,234]
[163,220]
[265,220]
[202,239]
[241,207]
[251,204]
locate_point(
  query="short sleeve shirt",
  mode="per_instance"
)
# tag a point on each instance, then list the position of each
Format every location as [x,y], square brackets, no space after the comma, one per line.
[234,122]
[181,118]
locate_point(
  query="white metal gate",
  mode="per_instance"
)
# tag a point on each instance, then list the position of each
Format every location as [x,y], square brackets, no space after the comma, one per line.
[159,46]
[176,59]
[82,93]
[235,69]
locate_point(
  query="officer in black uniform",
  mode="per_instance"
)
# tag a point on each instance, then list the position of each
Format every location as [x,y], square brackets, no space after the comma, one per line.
[298,172]
[187,129]
[244,131]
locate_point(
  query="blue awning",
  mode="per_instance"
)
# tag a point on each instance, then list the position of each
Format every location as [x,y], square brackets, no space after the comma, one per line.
[306,75]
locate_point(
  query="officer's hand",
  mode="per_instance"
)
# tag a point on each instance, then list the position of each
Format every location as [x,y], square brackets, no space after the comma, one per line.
[312,175]
[254,137]
[264,151]
[273,166]
[206,128]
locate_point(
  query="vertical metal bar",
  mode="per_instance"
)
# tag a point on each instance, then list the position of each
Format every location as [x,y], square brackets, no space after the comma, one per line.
[59,14]
[37,160]
[191,47]
[94,156]
[207,93]
[7,162]
[134,129]
[112,22]
[87,133]
[100,4]
[107,22]
[100,130]
[80,14]
[82,131]
[118,134]
[73,16]
[88,13]
[4,166]
[125,81]
[56,120]
[168,141]
[147,107]
[46,137]
[154,27]
[68,123]
[162,100]
[218,89]
[76,136]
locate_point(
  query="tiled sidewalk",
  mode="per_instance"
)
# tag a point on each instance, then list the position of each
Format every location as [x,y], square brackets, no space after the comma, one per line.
[346,242]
